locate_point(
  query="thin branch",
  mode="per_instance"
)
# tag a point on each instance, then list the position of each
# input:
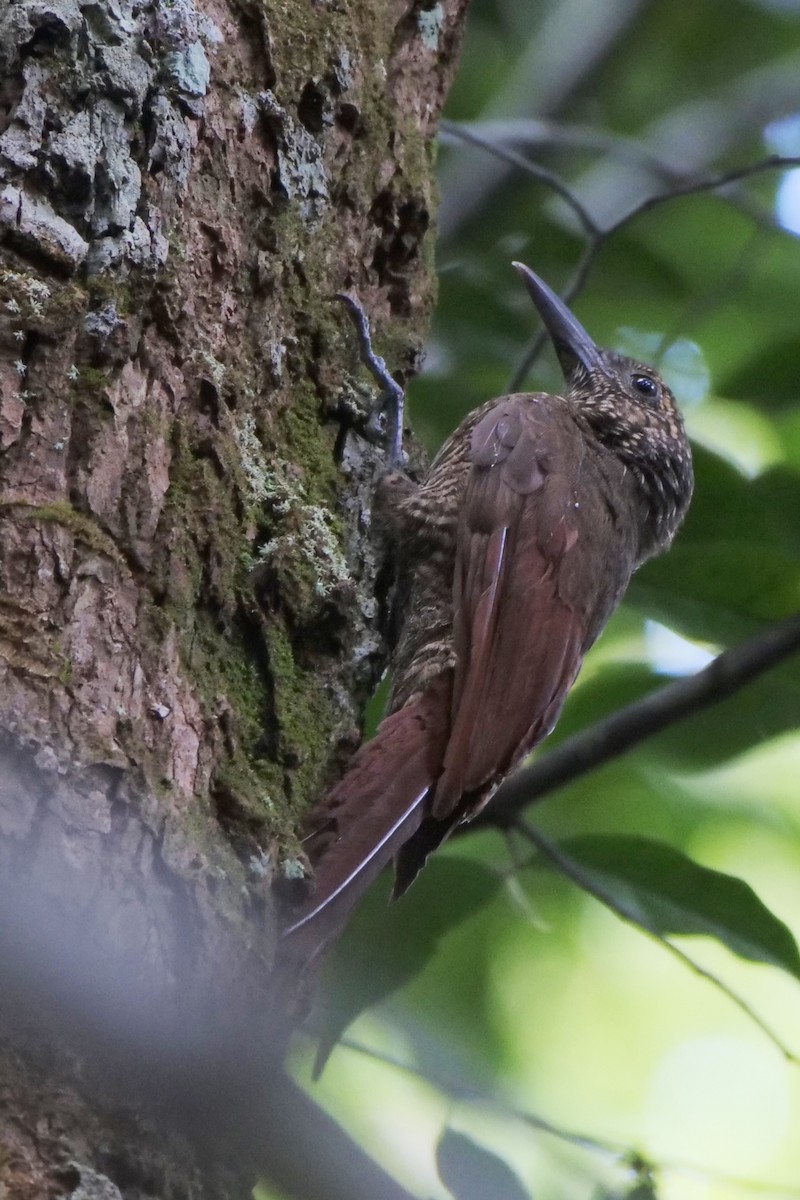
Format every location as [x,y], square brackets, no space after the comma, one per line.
[706,183]
[569,867]
[528,131]
[538,132]
[460,1093]
[540,174]
[629,726]
[624,1154]
[597,237]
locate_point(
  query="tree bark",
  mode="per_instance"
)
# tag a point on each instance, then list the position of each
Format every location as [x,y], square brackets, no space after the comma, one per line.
[188,595]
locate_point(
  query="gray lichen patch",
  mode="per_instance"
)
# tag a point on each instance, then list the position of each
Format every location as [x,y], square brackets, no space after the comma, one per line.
[103,96]
[302,174]
[33,226]
[307,561]
[429,23]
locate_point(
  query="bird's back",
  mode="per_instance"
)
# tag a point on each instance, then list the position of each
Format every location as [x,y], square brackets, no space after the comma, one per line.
[544,535]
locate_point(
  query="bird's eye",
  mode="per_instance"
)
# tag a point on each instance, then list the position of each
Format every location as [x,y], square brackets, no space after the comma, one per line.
[645,386]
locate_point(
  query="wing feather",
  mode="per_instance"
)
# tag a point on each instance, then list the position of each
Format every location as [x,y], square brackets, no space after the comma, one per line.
[521,627]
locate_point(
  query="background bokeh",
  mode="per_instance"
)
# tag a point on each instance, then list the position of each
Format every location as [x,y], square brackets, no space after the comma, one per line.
[537,1045]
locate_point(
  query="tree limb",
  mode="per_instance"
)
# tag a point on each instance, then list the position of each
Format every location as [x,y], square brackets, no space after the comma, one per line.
[611,737]
[533,170]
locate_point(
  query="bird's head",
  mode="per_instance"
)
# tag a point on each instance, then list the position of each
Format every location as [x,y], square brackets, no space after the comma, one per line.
[628,406]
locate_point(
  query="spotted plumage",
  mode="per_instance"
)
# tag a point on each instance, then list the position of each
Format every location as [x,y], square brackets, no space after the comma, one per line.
[515,550]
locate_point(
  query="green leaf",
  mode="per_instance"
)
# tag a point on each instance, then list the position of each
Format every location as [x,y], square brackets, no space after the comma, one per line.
[669,893]
[719,591]
[471,1172]
[764,509]
[738,432]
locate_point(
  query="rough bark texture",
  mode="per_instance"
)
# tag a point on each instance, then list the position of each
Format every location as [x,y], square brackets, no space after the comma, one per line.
[188,607]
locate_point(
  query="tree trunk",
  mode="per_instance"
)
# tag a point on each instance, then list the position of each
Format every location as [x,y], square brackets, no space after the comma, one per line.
[188,593]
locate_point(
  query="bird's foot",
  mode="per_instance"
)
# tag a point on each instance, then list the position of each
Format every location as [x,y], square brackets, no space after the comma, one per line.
[388,410]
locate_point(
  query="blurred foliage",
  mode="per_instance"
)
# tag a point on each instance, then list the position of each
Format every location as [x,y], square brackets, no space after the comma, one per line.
[501,1008]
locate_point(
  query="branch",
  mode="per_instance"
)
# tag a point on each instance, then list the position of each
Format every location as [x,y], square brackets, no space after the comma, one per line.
[611,737]
[530,132]
[459,1092]
[541,174]
[707,183]
[623,1153]
[596,237]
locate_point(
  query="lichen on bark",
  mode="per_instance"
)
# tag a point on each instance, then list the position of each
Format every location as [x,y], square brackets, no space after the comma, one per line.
[188,618]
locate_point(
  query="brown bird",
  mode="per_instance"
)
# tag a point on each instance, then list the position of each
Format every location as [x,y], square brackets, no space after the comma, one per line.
[516,549]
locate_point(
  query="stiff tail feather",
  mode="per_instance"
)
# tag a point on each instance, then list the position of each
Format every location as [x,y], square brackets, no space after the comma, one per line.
[359,826]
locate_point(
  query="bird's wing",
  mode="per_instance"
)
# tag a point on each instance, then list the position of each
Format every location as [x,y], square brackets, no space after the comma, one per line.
[534,564]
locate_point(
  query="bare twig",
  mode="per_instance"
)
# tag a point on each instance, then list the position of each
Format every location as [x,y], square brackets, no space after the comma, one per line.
[459,1092]
[597,238]
[623,1154]
[541,174]
[530,131]
[629,726]
[706,183]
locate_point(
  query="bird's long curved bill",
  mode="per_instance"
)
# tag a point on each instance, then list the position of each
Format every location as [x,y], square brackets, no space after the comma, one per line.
[572,343]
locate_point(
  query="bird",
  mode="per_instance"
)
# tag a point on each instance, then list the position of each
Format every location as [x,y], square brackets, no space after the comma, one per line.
[513,550]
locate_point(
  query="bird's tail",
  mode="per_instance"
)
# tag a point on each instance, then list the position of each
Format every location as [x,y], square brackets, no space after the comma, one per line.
[361,823]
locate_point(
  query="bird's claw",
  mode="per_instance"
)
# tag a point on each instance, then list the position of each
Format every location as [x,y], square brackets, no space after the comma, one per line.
[390,405]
